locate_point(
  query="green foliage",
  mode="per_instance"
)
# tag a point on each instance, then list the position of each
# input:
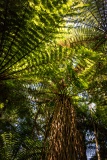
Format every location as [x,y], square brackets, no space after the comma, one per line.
[35,48]
[19,133]
[25,27]
[88,27]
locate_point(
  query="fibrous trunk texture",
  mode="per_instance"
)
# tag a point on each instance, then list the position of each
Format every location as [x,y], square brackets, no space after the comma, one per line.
[65,141]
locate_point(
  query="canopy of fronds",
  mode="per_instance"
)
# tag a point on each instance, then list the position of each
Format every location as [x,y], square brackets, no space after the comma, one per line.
[89,25]
[24,27]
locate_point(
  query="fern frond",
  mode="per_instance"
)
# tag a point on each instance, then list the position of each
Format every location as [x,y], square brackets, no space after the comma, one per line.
[90,25]
[25,27]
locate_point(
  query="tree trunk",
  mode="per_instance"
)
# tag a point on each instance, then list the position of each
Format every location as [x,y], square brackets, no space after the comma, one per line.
[96,142]
[65,141]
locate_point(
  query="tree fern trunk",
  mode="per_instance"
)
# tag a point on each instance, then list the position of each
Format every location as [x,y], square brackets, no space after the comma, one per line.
[65,141]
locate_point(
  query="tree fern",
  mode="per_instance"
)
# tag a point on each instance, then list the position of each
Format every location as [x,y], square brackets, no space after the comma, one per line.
[25,26]
[88,25]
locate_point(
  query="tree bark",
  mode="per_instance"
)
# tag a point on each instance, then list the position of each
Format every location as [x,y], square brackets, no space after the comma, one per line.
[96,142]
[65,141]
